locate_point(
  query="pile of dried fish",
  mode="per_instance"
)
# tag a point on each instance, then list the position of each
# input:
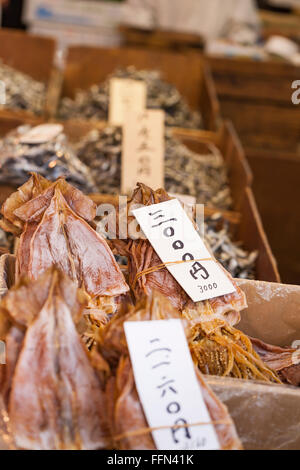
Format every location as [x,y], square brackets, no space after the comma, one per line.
[94,103]
[239,262]
[53,159]
[22,91]
[126,419]
[186,172]
[217,347]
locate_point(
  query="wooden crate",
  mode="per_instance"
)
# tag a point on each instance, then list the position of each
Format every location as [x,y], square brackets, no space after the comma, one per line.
[277,190]
[257,97]
[32,55]
[86,66]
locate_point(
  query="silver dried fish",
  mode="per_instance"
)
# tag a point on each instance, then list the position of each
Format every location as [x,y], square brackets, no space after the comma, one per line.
[22,91]
[52,160]
[94,102]
[186,172]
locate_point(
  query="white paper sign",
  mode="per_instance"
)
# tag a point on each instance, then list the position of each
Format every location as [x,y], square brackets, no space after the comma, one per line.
[125,96]
[174,238]
[143,150]
[168,387]
[41,134]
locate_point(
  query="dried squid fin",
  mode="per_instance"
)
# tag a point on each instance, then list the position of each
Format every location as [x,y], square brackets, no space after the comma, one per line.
[56,400]
[64,239]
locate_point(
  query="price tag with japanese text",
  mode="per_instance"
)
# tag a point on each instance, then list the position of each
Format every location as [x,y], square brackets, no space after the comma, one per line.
[167,385]
[143,150]
[125,96]
[177,243]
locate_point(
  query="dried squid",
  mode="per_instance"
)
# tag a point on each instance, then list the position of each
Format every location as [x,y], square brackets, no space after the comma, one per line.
[53,221]
[53,395]
[217,346]
[128,425]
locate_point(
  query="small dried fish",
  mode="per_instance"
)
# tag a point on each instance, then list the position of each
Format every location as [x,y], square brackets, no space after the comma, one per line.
[94,103]
[186,172]
[53,159]
[22,91]
[239,262]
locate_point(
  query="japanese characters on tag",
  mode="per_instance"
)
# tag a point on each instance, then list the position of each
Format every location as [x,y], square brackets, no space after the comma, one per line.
[41,134]
[125,96]
[175,240]
[143,150]
[168,387]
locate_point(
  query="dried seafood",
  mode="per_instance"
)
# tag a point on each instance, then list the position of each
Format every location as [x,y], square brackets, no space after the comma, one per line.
[52,219]
[217,346]
[22,91]
[53,394]
[94,102]
[285,361]
[127,421]
[237,261]
[186,172]
[53,159]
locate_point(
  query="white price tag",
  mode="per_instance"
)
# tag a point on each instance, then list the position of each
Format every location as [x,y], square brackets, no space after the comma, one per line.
[168,387]
[41,134]
[174,238]
[143,150]
[125,96]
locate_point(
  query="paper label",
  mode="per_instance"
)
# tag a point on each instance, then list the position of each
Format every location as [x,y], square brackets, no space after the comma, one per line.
[175,239]
[125,96]
[168,387]
[143,150]
[41,134]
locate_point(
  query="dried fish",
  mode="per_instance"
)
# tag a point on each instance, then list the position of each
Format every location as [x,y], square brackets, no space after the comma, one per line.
[22,91]
[94,102]
[53,159]
[125,413]
[285,361]
[186,172]
[218,348]
[237,261]
[53,393]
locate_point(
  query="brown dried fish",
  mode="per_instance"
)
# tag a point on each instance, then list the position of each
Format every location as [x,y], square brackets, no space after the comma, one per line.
[186,172]
[94,102]
[53,393]
[125,413]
